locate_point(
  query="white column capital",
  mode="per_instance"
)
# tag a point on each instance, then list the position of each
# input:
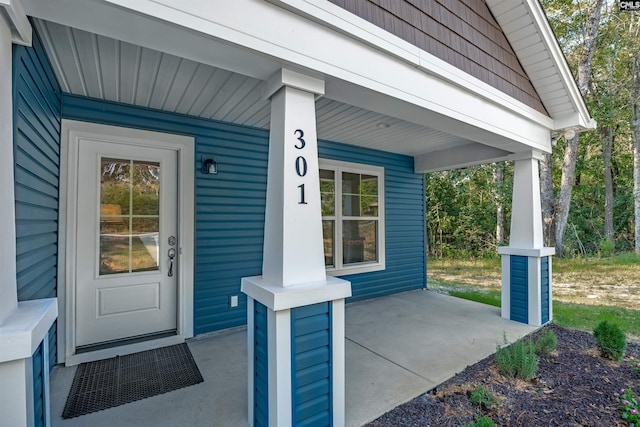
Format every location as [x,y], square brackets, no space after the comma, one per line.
[21,31]
[526,155]
[286,77]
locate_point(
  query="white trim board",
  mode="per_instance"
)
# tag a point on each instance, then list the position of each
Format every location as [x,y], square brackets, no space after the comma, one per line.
[357,74]
[434,90]
[185,146]
[341,19]
[338,167]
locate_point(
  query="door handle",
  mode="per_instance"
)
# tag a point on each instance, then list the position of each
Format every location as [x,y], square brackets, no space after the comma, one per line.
[171,254]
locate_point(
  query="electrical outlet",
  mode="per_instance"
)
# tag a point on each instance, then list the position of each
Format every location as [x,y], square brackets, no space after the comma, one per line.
[233,301]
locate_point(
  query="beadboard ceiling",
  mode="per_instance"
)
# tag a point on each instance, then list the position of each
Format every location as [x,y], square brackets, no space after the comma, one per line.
[92,65]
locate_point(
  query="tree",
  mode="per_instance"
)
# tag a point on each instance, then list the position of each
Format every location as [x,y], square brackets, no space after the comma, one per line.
[563,203]
[498,182]
[635,103]
[462,210]
[547,199]
[605,179]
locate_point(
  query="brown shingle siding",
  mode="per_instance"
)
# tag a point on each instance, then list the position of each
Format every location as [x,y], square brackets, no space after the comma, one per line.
[460,32]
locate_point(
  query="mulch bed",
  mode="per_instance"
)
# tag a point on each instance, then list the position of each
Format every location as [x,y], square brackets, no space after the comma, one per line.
[574,386]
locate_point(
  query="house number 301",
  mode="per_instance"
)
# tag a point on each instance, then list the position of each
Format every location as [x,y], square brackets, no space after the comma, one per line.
[301,163]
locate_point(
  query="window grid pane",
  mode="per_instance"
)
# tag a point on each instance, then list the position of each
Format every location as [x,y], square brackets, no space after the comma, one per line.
[351,216]
[129,216]
[328,233]
[360,241]
[327,192]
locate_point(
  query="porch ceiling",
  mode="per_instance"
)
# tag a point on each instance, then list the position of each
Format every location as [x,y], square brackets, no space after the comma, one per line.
[100,67]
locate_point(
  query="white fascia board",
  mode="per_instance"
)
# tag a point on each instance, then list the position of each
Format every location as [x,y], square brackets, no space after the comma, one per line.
[481,121]
[463,156]
[574,121]
[21,33]
[277,33]
[329,14]
[584,120]
[354,26]
[458,157]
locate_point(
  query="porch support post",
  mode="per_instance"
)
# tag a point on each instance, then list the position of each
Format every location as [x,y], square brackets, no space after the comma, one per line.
[526,263]
[23,325]
[295,313]
[8,293]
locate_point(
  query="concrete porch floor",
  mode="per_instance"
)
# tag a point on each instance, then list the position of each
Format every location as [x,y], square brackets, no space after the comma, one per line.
[397,348]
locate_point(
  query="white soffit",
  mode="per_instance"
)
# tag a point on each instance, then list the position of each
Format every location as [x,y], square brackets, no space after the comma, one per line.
[528,31]
[100,67]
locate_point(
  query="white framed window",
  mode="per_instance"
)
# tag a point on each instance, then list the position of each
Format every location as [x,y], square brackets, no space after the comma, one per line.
[353,226]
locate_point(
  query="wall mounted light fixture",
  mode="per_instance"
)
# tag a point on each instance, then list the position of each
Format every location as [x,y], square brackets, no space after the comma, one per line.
[209,166]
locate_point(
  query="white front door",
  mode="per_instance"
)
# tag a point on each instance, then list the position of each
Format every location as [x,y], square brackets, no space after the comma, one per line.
[126,242]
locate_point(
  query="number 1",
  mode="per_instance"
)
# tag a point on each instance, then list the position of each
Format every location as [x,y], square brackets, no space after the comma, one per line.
[302,201]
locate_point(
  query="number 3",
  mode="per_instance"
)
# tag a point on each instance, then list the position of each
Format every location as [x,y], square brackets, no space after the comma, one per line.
[299,134]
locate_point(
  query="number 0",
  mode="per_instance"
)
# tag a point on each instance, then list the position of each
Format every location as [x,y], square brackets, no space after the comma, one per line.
[301,166]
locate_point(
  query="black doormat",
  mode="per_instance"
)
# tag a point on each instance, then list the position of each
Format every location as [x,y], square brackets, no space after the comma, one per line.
[123,379]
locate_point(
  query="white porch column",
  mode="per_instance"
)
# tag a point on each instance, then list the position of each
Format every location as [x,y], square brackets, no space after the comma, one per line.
[295,313]
[8,296]
[526,263]
[23,325]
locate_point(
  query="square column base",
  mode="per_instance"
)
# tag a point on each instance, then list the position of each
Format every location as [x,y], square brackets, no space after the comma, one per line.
[526,285]
[20,337]
[296,351]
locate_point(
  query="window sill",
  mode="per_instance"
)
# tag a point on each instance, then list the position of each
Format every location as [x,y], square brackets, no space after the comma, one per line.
[356,269]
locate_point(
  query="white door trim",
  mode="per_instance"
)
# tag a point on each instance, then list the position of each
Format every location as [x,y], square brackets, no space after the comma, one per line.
[185,146]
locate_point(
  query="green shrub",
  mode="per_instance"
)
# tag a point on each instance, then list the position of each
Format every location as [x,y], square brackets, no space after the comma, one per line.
[481,422]
[547,342]
[611,341]
[518,359]
[482,397]
[607,248]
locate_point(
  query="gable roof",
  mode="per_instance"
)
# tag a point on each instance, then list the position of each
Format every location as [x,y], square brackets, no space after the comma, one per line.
[526,27]
[504,43]
[523,23]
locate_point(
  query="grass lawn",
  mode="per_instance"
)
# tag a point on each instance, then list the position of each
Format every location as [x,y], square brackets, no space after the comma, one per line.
[586,291]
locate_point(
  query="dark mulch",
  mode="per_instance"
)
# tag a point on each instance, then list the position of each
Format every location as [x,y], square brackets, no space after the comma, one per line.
[574,386]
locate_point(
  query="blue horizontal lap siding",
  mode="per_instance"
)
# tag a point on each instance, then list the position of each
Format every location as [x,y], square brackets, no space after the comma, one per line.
[36,143]
[544,285]
[311,365]
[519,288]
[229,209]
[39,414]
[404,222]
[260,367]
[229,217]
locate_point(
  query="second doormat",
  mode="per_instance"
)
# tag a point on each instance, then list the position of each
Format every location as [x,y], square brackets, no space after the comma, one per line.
[112,382]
